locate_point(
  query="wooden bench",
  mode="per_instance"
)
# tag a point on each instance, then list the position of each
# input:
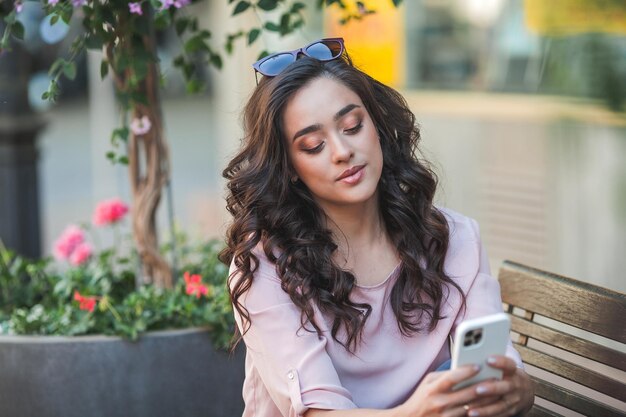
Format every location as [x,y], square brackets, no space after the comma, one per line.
[566,376]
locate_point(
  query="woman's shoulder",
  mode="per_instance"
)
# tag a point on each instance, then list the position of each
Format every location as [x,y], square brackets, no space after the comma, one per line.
[265,286]
[462,228]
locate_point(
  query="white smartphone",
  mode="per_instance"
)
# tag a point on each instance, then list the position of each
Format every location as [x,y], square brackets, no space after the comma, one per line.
[477,339]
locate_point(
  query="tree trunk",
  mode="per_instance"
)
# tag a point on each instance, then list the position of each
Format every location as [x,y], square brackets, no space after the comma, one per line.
[148,164]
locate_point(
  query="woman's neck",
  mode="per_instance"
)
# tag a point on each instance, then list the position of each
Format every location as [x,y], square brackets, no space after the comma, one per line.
[356,229]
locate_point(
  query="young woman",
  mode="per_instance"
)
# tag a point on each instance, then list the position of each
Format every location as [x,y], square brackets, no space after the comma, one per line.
[345,278]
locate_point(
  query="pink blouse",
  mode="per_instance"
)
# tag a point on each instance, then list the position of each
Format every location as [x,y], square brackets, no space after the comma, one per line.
[289,371]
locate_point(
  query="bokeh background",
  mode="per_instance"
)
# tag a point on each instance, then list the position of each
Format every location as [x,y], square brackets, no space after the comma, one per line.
[521,107]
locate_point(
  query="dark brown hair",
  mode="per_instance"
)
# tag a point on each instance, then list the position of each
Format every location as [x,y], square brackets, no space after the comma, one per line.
[284,218]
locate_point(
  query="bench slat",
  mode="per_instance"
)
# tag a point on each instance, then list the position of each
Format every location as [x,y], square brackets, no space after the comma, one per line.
[538,411]
[565,300]
[569,343]
[574,401]
[573,372]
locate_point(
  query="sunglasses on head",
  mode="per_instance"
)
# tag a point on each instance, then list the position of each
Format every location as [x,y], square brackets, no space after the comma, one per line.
[324,50]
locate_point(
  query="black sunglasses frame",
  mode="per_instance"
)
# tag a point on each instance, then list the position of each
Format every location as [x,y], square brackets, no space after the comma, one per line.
[295,53]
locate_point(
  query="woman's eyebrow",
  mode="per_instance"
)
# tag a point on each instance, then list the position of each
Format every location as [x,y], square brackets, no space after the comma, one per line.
[306,130]
[309,129]
[345,111]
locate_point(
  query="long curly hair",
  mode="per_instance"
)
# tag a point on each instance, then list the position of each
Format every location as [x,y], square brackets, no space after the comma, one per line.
[269,209]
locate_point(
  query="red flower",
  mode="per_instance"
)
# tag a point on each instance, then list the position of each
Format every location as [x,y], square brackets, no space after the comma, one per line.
[194,285]
[86,302]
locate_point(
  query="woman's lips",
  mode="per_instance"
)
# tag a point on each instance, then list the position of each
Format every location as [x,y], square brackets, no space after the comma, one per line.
[352,175]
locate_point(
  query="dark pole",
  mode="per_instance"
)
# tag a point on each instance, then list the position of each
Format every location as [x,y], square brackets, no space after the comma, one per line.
[19,125]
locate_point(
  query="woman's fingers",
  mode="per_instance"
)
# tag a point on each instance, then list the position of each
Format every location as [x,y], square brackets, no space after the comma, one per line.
[483,401]
[495,387]
[507,406]
[449,379]
[505,363]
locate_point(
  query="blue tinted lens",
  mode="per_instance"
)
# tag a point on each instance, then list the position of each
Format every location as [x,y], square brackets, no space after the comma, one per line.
[275,64]
[324,51]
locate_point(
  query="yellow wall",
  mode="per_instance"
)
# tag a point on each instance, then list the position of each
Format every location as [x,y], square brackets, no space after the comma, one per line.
[564,17]
[375,43]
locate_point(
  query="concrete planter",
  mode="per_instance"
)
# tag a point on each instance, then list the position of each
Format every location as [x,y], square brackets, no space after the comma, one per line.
[167,373]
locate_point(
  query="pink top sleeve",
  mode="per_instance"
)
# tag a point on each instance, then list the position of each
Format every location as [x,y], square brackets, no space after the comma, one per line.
[483,295]
[292,363]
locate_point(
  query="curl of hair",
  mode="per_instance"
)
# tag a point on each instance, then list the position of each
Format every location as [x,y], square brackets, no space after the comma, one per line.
[269,209]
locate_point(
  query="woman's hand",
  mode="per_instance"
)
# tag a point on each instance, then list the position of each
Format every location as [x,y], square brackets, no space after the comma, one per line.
[434,396]
[512,395]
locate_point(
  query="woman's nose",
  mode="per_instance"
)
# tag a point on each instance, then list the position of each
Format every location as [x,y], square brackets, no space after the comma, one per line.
[341,149]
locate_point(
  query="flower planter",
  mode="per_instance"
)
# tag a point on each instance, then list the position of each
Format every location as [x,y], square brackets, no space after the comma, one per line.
[166,373]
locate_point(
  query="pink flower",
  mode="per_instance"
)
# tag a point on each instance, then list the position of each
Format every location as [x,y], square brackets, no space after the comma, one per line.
[78,3]
[109,211]
[18,6]
[81,254]
[166,4]
[194,285]
[181,3]
[140,126]
[69,240]
[52,2]
[135,8]
[86,302]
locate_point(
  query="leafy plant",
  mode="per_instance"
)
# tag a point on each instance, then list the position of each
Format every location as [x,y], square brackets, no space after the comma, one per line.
[99,295]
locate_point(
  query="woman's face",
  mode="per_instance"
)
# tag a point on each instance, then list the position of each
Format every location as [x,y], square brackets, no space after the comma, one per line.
[333,144]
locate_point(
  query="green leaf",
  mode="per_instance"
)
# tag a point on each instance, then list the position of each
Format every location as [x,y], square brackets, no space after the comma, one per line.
[284,24]
[18,30]
[66,14]
[194,24]
[267,5]
[140,68]
[45,96]
[110,156]
[181,25]
[54,19]
[122,63]
[241,7]
[104,68]
[193,86]
[188,70]
[272,27]
[122,160]
[297,6]
[230,39]
[253,35]
[216,60]
[340,3]
[263,54]
[195,44]
[93,41]
[69,70]
[162,21]
[179,61]
[121,133]
[58,63]
[397,3]
[10,18]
